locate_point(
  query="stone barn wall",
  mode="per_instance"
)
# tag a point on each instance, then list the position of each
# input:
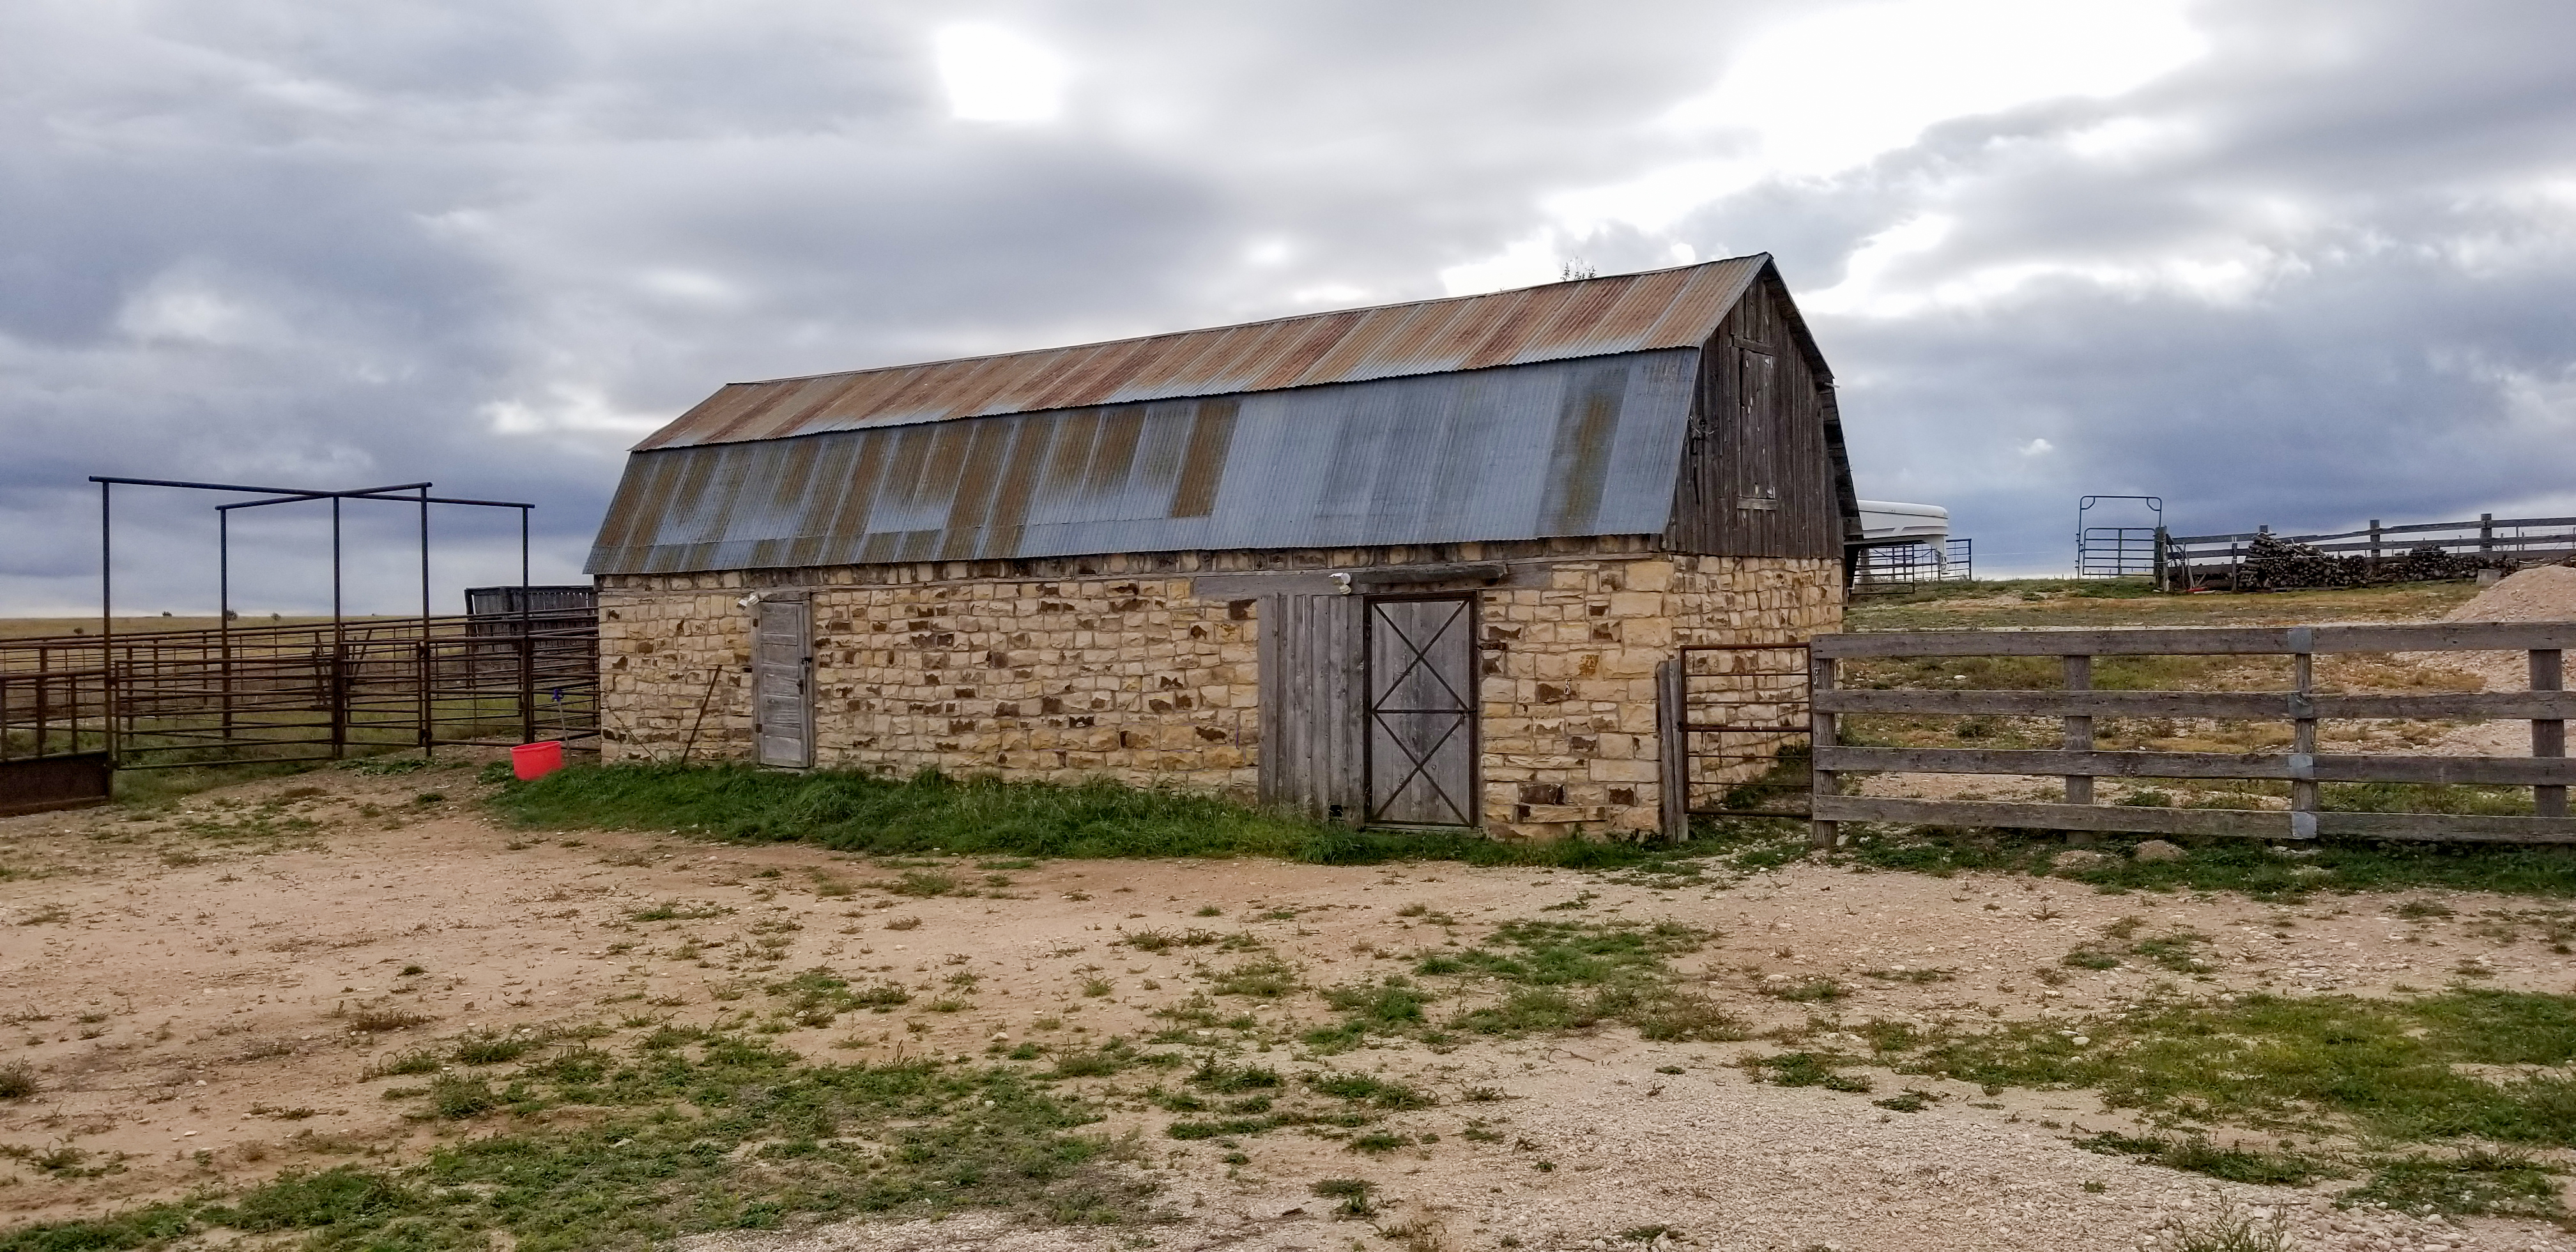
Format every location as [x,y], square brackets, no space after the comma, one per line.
[1062,669]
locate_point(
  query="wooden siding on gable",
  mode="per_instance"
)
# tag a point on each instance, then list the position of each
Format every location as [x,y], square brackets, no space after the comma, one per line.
[1762,473]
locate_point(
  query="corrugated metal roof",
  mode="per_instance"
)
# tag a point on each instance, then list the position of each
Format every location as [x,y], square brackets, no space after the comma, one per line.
[1568,447]
[1673,308]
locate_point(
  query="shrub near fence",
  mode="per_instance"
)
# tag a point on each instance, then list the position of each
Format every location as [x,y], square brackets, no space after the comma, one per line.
[2546,705]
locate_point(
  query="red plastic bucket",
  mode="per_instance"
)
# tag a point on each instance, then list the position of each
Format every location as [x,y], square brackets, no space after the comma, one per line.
[536,760]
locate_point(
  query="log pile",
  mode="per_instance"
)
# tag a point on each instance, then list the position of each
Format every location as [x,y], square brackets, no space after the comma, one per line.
[2271,564]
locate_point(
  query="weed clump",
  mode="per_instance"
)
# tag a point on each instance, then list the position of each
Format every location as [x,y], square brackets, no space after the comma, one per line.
[1353,1194]
[2200,1156]
[1804,1069]
[2476,1183]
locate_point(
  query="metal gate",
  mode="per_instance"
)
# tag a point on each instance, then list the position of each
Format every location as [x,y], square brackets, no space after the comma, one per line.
[2118,551]
[782,714]
[1422,710]
[1736,717]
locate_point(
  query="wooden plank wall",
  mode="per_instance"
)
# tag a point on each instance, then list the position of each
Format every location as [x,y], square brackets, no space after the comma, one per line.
[1758,434]
[1313,710]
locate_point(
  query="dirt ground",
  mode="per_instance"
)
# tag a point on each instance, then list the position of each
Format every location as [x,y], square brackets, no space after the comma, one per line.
[201,993]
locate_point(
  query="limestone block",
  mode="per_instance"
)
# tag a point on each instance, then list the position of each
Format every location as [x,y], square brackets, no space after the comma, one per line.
[1622,771]
[1647,575]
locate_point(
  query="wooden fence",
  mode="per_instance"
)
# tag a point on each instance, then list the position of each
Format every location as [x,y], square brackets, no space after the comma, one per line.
[306,692]
[2528,540]
[2546,705]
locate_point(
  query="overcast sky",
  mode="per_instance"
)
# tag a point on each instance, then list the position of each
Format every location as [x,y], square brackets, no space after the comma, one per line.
[2296,262]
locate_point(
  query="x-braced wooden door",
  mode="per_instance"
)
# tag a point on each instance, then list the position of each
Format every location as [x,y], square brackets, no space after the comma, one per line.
[1422,741]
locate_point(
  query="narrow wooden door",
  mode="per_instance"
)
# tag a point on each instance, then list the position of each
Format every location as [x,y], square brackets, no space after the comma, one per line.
[1422,710]
[782,702]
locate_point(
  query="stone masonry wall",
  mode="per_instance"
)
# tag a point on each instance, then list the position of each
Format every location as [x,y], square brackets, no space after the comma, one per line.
[1569,676]
[1067,670]
[1131,678]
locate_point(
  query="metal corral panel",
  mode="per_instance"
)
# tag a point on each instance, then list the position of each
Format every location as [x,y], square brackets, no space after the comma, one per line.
[1580,447]
[1674,308]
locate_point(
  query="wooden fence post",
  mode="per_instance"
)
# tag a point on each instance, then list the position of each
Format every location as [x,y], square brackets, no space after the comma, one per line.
[2079,738]
[1672,750]
[2548,735]
[2303,734]
[1821,734]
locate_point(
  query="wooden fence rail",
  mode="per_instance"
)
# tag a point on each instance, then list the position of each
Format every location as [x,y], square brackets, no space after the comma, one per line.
[2546,705]
[2527,539]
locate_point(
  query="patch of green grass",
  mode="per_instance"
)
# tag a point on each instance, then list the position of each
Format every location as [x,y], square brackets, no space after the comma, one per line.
[1192,1130]
[1809,991]
[674,910]
[2391,1068]
[1352,1192]
[853,811]
[2476,1183]
[1385,1093]
[723,1133]
[1390,1006]
[492,1049]
[1262,978]
[818,995]
[1165,940]
[2234,1232]
[456,1098]
[1528,1010]
[1553,953]
[2200,1156]
[1572,975]
[1805,1069]
[404,1064]
[148,1226]
[2242,865]
[1229,1079]
[924,884]
[18,1081]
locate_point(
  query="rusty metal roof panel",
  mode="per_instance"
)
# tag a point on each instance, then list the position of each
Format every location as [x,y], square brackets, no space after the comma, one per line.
[1660,309]
[1589,446]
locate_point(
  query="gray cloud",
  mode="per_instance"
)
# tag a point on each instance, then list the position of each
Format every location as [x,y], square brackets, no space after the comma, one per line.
[2320,273]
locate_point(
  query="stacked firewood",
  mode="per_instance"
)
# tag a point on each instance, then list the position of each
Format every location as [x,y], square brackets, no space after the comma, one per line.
[2271,564]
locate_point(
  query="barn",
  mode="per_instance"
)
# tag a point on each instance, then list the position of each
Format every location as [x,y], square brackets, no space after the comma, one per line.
[1413,565]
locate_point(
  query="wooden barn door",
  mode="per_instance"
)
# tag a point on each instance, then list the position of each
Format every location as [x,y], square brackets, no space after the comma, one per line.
[782,701]
[1422,710]
[1311,732]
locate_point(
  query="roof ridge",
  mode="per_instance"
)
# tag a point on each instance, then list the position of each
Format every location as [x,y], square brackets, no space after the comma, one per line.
[1266,321]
